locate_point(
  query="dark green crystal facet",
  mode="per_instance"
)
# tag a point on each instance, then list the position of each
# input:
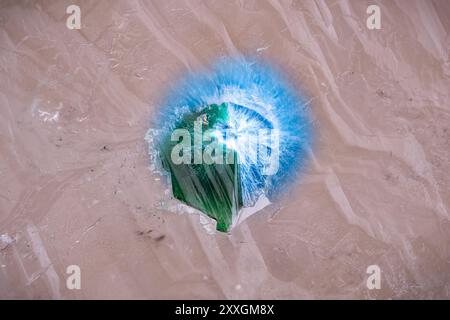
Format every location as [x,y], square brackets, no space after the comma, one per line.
[214,189]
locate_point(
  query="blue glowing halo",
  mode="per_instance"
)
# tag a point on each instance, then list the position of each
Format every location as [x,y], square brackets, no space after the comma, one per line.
[258,96]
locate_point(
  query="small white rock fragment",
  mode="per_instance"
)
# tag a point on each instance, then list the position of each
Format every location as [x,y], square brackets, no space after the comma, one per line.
[5,241]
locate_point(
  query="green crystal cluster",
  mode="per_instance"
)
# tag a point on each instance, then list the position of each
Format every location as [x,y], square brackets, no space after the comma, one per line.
[214,189]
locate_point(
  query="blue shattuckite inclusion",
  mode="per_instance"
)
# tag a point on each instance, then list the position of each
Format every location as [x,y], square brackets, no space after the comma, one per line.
[242,98]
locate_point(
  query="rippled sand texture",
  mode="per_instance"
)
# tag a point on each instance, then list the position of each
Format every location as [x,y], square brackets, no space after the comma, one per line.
[76,188]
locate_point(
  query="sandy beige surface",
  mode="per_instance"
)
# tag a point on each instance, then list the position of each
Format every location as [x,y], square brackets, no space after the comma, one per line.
[75,183]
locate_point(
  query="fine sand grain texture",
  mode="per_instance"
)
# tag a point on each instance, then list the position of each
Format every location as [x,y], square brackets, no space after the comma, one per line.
[76,188]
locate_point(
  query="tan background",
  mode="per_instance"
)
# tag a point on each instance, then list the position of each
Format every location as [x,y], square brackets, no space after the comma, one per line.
[75,184]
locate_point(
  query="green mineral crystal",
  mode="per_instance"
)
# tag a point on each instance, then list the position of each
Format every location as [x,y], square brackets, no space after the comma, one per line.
[206,180]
